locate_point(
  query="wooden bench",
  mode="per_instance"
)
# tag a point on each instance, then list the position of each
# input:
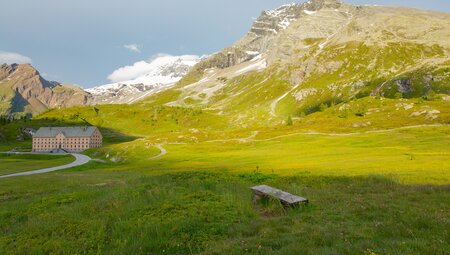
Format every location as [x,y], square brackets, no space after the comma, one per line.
[285,198]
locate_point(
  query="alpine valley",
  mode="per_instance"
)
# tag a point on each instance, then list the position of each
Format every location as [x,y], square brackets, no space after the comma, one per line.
[348,106]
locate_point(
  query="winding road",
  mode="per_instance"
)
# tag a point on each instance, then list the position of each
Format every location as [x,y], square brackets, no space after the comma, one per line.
[163,152]
[79,160]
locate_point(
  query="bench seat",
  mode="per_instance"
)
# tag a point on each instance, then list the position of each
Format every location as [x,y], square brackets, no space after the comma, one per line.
[284,197]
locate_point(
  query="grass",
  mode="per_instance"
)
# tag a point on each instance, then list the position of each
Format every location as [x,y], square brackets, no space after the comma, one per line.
[370,193]
[404,155]
[93,211]
[6,96]
[12,163]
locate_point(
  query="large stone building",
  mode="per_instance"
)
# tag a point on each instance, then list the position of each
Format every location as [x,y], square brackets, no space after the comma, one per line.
[70,139]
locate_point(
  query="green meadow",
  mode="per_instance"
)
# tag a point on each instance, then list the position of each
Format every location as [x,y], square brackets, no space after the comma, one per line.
[370,193]
[405,155]
[376,177]
[12,163]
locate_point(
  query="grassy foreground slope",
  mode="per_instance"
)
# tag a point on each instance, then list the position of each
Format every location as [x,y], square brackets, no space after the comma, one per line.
[101,209]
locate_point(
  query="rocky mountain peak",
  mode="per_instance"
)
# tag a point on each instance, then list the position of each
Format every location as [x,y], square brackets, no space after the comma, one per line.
[26,71]
[315,5]
[271,22]
[6,70]
[24,91]
[266,33]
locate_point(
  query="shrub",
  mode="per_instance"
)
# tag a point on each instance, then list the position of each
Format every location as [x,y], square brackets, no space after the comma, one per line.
[398,95]
[430,95]
[289,121]
[323,107]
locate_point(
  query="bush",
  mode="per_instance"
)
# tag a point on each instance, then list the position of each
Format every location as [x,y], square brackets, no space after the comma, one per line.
[323,107]
[289,121]
[398,95]
[430,95]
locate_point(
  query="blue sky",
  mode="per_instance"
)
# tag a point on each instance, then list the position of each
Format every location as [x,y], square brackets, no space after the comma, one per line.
[83,41]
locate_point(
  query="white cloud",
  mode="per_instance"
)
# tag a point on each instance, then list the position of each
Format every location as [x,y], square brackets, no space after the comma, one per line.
[12,57]
[133,47]
[129,72]
[149,67]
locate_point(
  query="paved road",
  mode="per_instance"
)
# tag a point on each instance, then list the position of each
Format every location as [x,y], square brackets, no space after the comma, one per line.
[79,160]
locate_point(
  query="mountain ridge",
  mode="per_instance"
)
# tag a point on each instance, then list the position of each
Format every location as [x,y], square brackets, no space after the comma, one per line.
[23,91]
[302,56]
[320,53]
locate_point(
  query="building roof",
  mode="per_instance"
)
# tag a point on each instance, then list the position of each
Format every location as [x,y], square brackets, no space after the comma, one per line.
[50,132]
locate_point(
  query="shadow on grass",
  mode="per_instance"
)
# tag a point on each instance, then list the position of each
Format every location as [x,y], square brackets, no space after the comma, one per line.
[11,131]
[213,213]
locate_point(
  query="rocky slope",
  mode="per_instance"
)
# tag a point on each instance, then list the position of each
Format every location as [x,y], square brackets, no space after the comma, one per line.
[301,57]
[160,74]
[23,91]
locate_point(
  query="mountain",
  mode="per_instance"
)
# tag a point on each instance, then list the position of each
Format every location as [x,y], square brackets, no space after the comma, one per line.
[23,91]
[305,56]
[159,74]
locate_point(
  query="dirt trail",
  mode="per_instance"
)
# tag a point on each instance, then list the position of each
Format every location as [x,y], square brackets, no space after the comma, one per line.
[255,133]
[245,139]
[163,152]
[351,134]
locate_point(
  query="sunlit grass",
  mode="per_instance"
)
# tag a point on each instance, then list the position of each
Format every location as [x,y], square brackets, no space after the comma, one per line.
[406,155]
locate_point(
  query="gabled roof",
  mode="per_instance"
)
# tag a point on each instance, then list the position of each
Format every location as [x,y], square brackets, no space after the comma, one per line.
[50,132]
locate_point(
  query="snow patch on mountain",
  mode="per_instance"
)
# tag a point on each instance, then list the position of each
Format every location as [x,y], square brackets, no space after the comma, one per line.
[132,83]
[281,11]
[311,12]
[160,69]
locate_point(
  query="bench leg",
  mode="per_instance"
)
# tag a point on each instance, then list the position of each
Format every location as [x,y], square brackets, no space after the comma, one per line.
[256,198]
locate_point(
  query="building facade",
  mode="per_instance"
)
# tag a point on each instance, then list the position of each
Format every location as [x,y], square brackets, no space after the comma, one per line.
[70,139]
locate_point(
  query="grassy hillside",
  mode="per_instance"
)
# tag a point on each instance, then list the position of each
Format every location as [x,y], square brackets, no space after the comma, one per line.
[6,96]
[137,119]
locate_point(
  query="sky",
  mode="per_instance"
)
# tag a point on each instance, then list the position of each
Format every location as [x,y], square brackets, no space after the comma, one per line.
[84,41]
